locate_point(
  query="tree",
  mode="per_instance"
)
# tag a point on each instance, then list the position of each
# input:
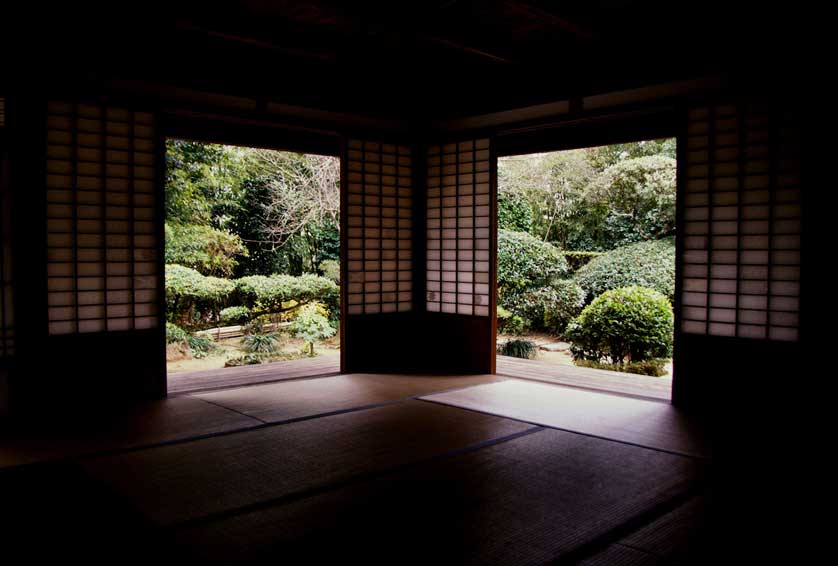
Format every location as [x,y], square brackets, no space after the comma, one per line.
[633,201]
[302,191]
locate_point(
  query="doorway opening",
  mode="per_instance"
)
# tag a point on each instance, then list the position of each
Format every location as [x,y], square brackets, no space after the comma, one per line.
[252,265]
[586,266]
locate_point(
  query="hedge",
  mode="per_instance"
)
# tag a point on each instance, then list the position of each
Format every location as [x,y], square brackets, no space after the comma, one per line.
[647,264]
[194,301]
[577,260]
[524,261]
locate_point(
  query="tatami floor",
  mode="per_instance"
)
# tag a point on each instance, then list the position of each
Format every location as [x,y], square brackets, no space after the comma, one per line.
[365,468]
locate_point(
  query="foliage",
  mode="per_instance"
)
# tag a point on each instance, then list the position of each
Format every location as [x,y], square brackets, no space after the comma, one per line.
[257,343]
[330,269]
[203,248]
[632,201]
[647,264]
[268,294]
[654,367]
[311,326]
[592,199]
[514,212]
[200,346]
[625,324]
[235,315]
[551,307]
[509,323]
[243,211]
[175,333]
[518,349]
[577,260]
[194,300]
[525,261]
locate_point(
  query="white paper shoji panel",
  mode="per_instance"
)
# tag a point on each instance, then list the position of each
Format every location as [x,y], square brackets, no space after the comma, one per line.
[380,228]
[741,260]
[101,230]
[459,228]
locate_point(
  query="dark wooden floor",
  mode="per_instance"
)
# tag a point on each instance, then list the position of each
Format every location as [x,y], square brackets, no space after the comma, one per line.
[373,468]
[587,378]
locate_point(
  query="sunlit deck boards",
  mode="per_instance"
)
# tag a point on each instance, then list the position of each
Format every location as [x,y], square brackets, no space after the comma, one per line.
[588,378]
[601,380]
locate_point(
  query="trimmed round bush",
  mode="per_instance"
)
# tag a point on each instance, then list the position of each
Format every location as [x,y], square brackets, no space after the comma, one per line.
[647,264]
[524,261]
[626,324]
[551,307]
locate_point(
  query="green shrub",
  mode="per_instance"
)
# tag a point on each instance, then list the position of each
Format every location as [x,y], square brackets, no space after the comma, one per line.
[551,307]
[577,260]
[267,294]
[200,346]
[258,343]
[330,269]
[524,261]
[626,324]
[194,300]
[203,248]
[647,264]
[514,212]
[509,322]
[518,349]
[235,315]
[654,367]
[175,333]
[311,326]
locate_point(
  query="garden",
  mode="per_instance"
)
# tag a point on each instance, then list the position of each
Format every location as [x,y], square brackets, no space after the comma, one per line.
[586,256]
[252,241]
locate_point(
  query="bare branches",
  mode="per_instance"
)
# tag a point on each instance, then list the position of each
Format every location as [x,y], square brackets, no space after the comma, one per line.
[302,189]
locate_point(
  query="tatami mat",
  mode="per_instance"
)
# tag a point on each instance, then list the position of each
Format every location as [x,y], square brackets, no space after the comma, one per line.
[528,500]
[647,423]
[191,480]
[295,399]
[150,423]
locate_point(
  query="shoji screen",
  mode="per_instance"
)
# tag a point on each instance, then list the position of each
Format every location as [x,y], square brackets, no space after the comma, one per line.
[379,228]
[101,231]
[459,233]
[741,235]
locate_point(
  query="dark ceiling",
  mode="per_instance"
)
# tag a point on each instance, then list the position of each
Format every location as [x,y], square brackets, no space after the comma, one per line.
[410,58]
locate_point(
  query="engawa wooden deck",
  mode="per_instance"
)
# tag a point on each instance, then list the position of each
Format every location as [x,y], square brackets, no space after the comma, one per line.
[588,378]
[600,380]
[185,382]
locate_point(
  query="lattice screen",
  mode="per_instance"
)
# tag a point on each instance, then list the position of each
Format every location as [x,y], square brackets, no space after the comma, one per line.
[459,228]
[741,263]
[101,232]
[380,228]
